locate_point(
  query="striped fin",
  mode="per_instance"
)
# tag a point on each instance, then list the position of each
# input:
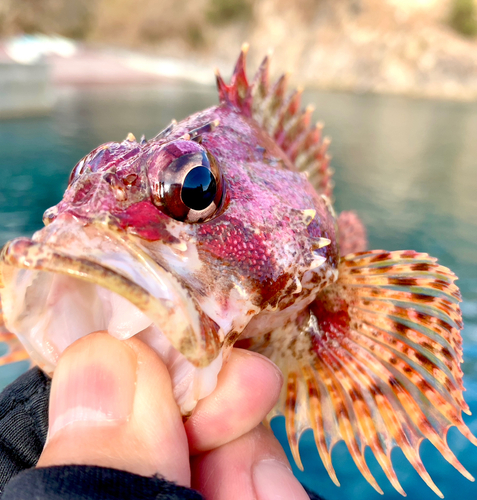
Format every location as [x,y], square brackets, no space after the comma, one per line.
[375,362]
[280,114]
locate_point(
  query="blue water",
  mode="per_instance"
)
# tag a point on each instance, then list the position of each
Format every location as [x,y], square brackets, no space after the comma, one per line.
[409,167]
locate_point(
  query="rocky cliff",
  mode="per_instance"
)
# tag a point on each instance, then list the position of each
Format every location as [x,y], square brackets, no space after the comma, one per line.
[394,46]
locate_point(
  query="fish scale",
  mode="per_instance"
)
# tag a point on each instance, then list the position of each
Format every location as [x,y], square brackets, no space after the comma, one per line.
[368,341]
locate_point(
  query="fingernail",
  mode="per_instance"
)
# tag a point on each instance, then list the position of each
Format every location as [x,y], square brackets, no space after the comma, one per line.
[266,361]
[273,480]
[93,384]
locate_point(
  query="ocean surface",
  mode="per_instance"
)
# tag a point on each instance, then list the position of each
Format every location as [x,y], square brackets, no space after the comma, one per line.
[408,167]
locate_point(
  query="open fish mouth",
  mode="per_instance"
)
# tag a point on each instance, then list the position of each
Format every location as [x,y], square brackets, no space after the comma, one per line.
[71,279]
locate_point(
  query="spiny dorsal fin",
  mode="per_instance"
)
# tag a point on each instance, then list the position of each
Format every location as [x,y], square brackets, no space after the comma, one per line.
[280,114]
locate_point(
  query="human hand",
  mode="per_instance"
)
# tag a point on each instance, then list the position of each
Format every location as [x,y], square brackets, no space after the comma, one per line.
[112,405]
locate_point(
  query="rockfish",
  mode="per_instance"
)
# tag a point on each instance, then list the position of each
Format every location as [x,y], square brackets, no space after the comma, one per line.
[220,230]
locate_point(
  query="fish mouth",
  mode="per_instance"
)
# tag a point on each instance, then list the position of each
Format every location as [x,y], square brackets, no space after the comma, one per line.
[73,278]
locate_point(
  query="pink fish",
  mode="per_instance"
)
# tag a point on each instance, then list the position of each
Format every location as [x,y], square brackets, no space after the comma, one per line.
[220,231]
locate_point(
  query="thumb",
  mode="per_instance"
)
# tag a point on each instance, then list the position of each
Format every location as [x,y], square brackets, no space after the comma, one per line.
[111,405]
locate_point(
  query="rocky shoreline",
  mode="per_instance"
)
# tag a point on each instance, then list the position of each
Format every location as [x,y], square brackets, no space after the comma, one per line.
[404,47]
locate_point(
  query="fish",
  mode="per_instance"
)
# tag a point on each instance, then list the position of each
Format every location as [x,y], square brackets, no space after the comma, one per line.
[219,232]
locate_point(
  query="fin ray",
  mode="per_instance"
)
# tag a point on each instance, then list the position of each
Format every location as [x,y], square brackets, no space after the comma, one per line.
[292,434]
[280,115]
[347,429]
[380,353]
[316,417]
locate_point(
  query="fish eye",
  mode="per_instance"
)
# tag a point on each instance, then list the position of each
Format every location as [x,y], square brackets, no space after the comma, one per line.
[189,188]
[199,188]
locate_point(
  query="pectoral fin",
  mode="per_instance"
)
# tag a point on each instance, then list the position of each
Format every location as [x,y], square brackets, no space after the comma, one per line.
[12,348]
[375,361]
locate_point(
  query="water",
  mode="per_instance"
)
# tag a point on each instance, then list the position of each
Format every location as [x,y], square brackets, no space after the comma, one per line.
[409,167]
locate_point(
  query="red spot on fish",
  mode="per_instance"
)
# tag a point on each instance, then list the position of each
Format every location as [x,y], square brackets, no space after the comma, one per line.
[408,254]
[239,246]
[421,267]
[111,154]
[84,193]
[146,221]
[233,242]
[333,316]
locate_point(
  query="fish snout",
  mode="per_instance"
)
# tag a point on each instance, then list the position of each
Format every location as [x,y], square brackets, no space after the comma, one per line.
[71,279]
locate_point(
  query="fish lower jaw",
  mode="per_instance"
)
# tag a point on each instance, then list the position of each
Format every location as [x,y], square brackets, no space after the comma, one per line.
[50,311]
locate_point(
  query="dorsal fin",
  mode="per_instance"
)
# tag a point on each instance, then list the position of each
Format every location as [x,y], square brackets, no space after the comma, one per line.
[280,114]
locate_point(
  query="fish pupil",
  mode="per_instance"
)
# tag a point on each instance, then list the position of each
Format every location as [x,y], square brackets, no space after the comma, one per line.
[199,188]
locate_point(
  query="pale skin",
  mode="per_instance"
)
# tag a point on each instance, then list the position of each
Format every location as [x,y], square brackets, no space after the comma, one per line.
[111,405]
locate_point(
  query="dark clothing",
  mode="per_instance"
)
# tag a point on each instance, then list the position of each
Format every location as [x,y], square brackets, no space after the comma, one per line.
[83,482]
[23,429]
[23,423]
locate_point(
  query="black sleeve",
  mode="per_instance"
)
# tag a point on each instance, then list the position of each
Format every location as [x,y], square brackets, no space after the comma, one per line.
[23,423]
[23,429]
[83,482]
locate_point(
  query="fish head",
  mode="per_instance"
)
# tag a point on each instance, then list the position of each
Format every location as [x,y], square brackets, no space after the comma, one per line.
[186,240]
[258,235]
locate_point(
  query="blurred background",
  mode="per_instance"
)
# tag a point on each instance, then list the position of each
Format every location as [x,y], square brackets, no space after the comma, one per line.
[395,82]
[414,47]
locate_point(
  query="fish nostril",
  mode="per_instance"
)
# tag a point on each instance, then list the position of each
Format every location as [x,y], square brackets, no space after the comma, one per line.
[130,179]
[118,186]
[111,179]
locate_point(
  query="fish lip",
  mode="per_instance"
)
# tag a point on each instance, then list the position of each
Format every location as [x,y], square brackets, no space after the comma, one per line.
[194,335]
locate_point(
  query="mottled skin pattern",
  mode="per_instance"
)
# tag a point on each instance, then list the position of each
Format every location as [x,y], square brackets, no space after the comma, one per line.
[369,342]
[260,239]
